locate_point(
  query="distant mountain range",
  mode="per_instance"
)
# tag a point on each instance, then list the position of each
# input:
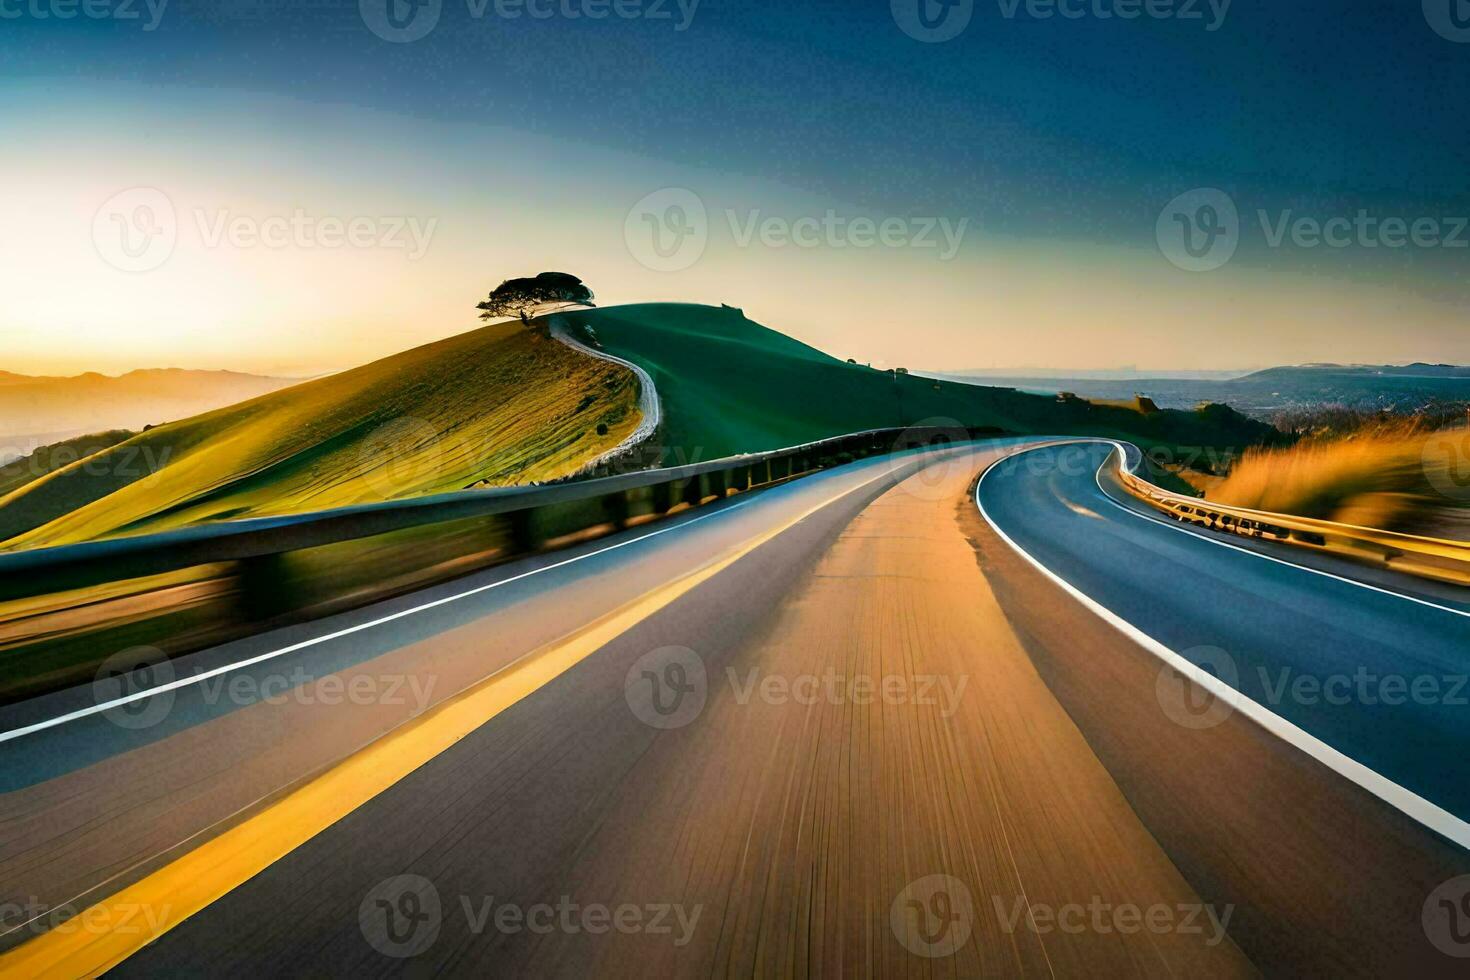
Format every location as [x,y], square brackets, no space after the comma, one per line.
[40,411]
[1404,387]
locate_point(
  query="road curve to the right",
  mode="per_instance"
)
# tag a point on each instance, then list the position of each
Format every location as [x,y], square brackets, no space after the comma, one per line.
[1366,796]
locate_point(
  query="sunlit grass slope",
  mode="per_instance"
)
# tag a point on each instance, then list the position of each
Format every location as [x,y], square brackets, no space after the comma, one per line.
[730,385]
[500,405]
[1391,476]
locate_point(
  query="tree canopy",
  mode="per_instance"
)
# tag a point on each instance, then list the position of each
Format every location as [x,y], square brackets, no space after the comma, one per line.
[522,297]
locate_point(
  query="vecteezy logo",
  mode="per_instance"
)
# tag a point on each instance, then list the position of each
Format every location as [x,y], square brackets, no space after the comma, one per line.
[931,439]
[1446,917]
[136,230]
[1199,230]
[1449,18]
[933,916]
[123,680]
[1188,703]
[666,688]
[400,21]
[1446,459]
[401,916]
[393,455]
[932,21]
[667,231]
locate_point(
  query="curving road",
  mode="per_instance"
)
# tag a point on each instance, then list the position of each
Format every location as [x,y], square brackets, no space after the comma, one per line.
[843,725]
[1365,677]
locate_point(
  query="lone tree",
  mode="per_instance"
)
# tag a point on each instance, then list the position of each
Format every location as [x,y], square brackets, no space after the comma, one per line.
[522,297]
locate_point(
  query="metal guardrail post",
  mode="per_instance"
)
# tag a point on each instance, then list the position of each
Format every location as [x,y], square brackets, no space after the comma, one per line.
[663,497]
[524,533]
[618,508]
[264,588]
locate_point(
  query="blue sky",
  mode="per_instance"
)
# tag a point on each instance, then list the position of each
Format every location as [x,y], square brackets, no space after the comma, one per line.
[1058,139]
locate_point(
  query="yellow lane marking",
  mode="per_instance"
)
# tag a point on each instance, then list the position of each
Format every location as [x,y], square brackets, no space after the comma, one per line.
[112,930]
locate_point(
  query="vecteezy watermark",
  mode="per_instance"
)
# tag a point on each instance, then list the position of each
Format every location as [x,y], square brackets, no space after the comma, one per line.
[149,13]
[297,686]
[1210,14]
[134,684]
[668,688]
[1450,19]
[1446,460]
[1101,917]
[933,440]
[124,460]
[1191,702]
[935,21]
[34,917]
[139,686]
[836,231]
[1362,687]
[1446,917]
[932,21]
[1200,230]
[402,917]
[304,230]
[394,453]
[137,230]
[831,687]
[403,21]
[934,916]
[669,230]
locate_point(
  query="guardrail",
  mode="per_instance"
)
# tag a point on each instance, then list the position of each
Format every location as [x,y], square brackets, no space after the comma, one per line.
[64,610]
[1432,558]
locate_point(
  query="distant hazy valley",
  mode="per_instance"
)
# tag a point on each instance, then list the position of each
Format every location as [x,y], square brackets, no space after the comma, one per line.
[1262,394]
[42,411]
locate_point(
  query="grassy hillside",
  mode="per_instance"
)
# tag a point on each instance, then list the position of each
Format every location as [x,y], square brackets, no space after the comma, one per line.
[498,405]
[730,385]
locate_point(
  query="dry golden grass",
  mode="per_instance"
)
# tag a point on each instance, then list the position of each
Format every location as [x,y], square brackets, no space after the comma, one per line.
[497,406]
[1394,476]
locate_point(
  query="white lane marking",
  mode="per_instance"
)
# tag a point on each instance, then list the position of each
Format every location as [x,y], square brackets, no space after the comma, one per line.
[360,627]
[1435,817]
[1203,536]
[348,631]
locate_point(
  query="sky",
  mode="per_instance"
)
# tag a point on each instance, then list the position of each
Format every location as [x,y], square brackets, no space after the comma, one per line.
[293,188]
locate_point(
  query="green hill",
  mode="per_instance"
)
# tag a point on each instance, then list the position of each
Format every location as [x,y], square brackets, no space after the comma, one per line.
[505,405]
[46,459]
[495,406]
[730,385]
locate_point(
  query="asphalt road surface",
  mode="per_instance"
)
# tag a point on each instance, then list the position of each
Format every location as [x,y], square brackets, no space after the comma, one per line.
[814,729]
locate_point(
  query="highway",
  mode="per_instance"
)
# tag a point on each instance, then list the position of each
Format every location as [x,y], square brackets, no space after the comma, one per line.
[844,725]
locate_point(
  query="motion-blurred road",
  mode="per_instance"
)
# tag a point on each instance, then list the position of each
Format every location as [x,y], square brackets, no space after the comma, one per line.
[815,729]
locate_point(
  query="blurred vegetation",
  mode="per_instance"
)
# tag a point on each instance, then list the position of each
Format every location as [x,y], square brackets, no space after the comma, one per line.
[1393,473]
